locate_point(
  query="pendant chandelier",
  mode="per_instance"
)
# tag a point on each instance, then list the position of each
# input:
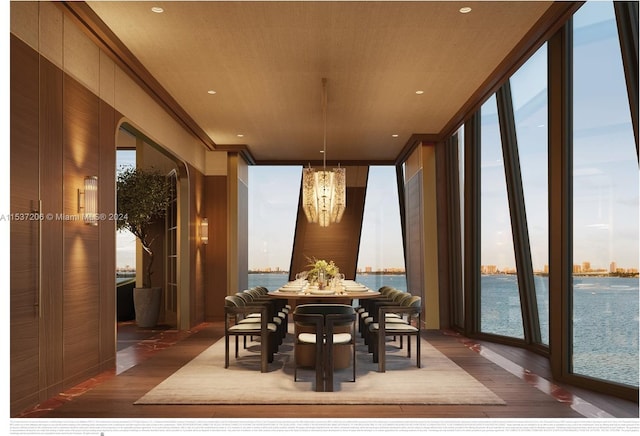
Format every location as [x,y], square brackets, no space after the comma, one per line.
[324,192]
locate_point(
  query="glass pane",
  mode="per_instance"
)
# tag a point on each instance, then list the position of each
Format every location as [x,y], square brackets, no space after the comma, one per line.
[605,205]
[529,93]
[273,207]
[125,240]
[499,297]
[381,255]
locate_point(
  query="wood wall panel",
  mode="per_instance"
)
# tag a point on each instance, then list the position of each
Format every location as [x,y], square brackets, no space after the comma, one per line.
[81,241]
[24,234]
[216,251]
[197,248]
[443,223]
[107,234]
[415,236]
[51,170]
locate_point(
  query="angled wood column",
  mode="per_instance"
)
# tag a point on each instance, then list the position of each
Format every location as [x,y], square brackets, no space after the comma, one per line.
[339,242]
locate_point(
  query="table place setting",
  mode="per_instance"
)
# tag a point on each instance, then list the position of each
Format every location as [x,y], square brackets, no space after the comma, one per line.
[335,288]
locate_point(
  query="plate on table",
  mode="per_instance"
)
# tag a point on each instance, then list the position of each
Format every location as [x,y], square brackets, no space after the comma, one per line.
[322,291]
[358,289]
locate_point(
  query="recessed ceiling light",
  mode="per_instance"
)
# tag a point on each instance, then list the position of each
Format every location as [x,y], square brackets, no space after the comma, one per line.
[157,9]
[240,135]
[465,10]
[211,91]
[419,92]
[395,135]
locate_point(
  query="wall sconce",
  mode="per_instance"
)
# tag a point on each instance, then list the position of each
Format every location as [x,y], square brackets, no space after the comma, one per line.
[204,231]
[89,207]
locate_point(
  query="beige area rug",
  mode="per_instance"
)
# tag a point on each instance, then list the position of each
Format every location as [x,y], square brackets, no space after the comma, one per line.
[204,380]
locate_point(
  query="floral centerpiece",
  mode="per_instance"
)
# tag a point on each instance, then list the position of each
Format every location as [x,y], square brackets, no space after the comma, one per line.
[321,271]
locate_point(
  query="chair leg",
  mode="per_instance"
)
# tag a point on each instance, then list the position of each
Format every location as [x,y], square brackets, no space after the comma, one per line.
[418,350]
[353,344]
[328,368]
[319,367]
[373,348]
[226,351]
[265,351]
[381,353]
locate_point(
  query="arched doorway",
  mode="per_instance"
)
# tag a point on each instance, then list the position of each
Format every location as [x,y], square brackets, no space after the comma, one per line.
[172,233]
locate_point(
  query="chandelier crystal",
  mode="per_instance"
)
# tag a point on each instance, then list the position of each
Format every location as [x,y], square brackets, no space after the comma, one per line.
[324,196]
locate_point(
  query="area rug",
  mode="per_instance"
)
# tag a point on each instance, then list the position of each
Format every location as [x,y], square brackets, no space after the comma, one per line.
[204,380]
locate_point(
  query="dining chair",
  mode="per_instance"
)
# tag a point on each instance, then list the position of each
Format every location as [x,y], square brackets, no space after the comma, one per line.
[323,327]
[367,306]
[235,325]
[280,317]
[385,326]
[395,297]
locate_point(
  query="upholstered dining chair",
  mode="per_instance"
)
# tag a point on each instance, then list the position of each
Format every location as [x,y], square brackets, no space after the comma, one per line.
[280,317]
[365,304]
[323,327]
[235,325]
[386,326]
[393,298]
[261,290]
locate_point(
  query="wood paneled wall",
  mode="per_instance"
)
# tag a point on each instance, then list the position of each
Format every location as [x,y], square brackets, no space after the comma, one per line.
[24,259]
[415,233]
[196,247]
[62,300]
[422,237]
[216,210]
[51,170]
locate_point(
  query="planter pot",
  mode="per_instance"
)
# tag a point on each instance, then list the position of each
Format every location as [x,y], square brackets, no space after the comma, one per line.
[147,305]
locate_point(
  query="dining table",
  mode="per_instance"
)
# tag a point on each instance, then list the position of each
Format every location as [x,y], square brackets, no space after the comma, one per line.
[302,292]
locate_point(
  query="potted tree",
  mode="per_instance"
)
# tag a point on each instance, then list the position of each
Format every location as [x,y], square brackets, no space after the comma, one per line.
[143,196]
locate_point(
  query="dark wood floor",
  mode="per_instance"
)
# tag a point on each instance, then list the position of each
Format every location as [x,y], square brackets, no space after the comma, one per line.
[526,391]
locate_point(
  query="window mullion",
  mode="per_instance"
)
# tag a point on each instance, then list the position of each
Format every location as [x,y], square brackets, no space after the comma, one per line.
[560,199]
[472,225]
[520,232]
[627,20]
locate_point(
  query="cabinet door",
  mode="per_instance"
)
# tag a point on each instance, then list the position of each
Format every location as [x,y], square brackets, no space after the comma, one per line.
[24,228]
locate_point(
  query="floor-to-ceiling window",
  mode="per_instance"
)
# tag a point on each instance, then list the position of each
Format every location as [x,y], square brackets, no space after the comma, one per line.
[529,93]
[381,254]
[605,205]
[500,311]
[273,207]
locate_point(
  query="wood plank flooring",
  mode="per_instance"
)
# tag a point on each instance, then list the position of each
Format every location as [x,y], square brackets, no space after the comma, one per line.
[114,394]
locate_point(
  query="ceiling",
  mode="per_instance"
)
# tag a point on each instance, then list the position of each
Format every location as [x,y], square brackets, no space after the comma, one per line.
[266,60]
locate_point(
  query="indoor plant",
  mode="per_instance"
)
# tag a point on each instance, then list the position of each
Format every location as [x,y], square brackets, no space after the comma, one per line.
[143,196]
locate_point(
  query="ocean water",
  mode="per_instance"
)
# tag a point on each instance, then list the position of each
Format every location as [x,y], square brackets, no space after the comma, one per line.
[605,317]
